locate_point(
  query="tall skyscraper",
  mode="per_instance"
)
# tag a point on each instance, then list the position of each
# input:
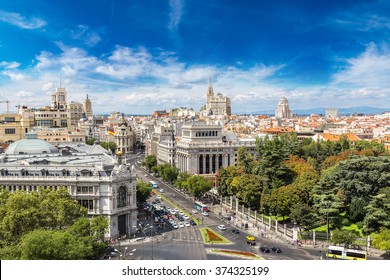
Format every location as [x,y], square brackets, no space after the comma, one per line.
[283,110]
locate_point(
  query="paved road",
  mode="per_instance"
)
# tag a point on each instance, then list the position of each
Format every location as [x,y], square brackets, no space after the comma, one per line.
[187,243]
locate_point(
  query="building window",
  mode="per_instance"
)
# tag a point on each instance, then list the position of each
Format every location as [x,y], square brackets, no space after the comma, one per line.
[10,131]
[86,203]
[121,199]
[85,189]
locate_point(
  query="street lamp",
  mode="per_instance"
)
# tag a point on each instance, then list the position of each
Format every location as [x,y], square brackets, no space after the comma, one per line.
[327,223]
[125,253]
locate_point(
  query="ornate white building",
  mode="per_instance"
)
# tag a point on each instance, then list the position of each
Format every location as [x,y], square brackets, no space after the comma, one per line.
[97,180]
[283,110]
[204,148]
[217,104]
[124,137]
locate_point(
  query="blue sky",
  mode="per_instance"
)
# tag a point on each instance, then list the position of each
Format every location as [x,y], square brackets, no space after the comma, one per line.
[140,56]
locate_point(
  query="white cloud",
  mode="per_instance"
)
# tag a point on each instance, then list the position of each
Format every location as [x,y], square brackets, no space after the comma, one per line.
[83,33]
[20,21]
[175,14]
[15,76]
[9,65]
[370,69]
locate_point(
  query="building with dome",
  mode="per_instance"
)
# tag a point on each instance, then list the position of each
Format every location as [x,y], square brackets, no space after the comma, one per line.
[97,180]
[124,137]
[283,110]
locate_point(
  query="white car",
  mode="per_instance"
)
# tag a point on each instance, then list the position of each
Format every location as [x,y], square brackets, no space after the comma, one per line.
[181,224]
[205,213]
[181,213]
[159,197]
[161,190]
[186,217]
[187,224]
[222,227]
[175,226]
[194,211]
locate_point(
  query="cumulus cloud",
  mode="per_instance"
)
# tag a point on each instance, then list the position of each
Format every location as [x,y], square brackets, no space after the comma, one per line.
[175,14]
[20,21]
[369,69]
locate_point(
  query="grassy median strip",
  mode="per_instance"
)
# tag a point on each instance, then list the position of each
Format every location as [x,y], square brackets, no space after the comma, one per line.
[212,237]
[234,253]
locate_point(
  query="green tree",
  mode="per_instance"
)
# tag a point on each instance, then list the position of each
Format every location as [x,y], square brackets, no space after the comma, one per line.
[303,215]
[244,159]
[248,189]
[343,237]
[381,240]
[111,146]
[149,162]
[198,186]
[356,209]
[90,141]
[226,177]
[23,212]
[143,191]
[181,182]
[377,212]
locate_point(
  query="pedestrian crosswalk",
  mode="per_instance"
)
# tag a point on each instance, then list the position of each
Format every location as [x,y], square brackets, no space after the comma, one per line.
[191,234]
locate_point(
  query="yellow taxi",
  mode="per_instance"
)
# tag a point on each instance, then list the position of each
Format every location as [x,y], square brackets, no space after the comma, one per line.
[250,238]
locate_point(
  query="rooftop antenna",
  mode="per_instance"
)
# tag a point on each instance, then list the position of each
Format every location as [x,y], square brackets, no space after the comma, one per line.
[60,80]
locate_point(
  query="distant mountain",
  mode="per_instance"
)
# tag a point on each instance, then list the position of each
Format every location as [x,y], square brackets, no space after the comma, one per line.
[342,111]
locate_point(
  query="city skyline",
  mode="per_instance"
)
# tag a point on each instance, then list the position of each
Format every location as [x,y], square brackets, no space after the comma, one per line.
[141,56]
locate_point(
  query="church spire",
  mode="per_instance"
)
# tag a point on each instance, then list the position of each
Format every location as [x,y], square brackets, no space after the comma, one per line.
[210,91]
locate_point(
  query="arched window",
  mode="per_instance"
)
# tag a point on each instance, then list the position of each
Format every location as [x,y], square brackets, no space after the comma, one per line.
[122,194]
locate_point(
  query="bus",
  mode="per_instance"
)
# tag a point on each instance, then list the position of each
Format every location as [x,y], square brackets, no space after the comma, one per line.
[153,184]
[200,206]
[339,252]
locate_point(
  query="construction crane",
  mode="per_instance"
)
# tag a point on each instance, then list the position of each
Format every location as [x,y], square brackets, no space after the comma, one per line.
[6,101]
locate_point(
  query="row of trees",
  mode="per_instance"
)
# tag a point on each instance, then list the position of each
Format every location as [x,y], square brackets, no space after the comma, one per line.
[309,180]
[196,185]
[46,225]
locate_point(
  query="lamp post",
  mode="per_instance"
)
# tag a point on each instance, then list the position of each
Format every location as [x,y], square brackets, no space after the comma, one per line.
[125,253]
[327,223]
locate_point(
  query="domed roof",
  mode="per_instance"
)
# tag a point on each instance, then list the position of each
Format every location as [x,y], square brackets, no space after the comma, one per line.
[31,145]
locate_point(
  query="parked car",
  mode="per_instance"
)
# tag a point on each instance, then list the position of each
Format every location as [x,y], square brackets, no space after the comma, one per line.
[222,227]
[192,222]
[264,249]
[276,250]
[194,211]
[205,213]
[180,218]
[236,231]
[187,224]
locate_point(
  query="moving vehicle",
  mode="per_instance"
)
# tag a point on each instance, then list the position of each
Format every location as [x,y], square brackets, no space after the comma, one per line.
[153,184]
[161,190]
[264,249]
[222,227]
[205,213]
[250,238]
[276,250]
[236,231]
[194,211]
[345,253]
[200,206]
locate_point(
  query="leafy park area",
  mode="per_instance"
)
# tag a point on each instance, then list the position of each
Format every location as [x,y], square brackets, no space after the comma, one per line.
[313,184]
[48,225]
